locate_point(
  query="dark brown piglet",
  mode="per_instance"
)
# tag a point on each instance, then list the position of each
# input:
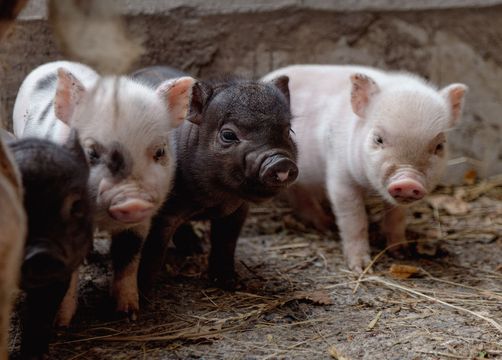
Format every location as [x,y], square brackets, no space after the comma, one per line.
[235,149]
[59,214]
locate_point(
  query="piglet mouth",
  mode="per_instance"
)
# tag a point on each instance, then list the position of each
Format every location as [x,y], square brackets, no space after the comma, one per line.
[131,210]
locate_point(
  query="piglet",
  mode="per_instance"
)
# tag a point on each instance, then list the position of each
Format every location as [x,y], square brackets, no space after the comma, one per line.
[124,128]
[12,236]
[60,230]
[235,148]
[365,131]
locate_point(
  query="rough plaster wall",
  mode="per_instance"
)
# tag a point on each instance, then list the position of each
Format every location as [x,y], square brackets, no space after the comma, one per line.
[442,45]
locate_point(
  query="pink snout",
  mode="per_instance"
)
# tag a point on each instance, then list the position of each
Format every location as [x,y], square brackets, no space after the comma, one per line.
[406,190]
[131,211]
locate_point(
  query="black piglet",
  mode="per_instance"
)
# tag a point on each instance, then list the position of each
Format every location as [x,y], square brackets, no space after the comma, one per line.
[60,230]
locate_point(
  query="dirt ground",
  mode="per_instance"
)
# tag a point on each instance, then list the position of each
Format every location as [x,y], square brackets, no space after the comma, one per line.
[297,300]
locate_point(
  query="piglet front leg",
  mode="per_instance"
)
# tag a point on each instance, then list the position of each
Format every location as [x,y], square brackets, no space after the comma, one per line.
[68,305]
[348,204]
[125,251]
[394,229]
[224,234]
[38,316]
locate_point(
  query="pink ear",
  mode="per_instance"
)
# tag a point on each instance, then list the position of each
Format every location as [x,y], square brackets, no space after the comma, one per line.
[454,95]
[363,88]
[177,94]
[69,93]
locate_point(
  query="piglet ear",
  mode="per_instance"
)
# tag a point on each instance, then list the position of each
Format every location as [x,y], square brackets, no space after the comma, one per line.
[69,93]
[454,95]
[363,89]
[201,92]
[177,94]
[73,144]
[282,83]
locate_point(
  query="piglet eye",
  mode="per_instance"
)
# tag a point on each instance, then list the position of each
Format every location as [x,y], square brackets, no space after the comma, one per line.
[159,154]
[77,208]
[73,206]
[439,148]
[378,140]
[229,136]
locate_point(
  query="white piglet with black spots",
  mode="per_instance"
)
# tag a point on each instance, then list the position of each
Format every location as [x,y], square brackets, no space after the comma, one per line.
[361,131]
[124,128]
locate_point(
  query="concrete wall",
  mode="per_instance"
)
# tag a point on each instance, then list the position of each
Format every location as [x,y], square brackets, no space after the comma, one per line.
[444,41]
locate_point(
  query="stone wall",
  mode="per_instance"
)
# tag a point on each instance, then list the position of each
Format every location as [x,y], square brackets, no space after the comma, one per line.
[448,41]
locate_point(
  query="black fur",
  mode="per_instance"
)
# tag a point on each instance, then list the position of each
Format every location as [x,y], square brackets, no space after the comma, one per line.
[60,231]
[215,179]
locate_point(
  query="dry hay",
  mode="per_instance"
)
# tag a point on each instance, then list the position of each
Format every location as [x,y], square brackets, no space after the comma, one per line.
[297,299]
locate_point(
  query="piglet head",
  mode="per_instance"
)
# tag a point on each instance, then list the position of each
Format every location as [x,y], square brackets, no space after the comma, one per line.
[245,142]
[58,207]
[125,128]
[406,124]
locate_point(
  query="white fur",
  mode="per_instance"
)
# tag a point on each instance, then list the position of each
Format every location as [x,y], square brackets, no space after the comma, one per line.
[337,152]
[113,110]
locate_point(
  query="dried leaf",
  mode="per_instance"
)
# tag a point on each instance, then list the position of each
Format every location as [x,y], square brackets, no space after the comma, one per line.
[452,205]
[335,353]
[470,177]
[318,297]
[403,271]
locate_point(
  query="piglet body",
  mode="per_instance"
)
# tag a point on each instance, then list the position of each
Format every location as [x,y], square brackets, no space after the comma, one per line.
[361,131]
[60,229]
[12,237]
[235,149]
[124,127]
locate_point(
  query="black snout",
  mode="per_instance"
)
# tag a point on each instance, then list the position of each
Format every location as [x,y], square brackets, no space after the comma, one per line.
[41,267]
[278,171]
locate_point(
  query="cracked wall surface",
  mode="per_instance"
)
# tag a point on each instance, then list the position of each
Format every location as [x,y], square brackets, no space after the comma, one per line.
[443,45]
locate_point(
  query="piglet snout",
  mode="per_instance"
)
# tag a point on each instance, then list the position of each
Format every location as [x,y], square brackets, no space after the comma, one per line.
[131,211]
[406,190]
[278,170]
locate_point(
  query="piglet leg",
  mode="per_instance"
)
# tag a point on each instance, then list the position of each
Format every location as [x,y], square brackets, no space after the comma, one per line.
[37,318]
[394,228]
[154,253]
[125,251]
[187,241]
[69,303]
[224,234]
[348,204]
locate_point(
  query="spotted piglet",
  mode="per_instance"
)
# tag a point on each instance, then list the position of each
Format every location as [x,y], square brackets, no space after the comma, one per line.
[364,131]
[124,129]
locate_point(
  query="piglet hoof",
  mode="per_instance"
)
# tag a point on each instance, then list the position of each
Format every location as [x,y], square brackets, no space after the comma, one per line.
[359,262]
[226,281]
[400,252]
[128,305]
[132,315]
